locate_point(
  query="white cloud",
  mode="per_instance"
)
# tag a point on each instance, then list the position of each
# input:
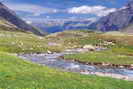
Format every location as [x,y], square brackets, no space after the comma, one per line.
[36,10]
[96,10]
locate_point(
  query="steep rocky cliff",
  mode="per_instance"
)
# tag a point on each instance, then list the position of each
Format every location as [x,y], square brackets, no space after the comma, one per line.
[9,16]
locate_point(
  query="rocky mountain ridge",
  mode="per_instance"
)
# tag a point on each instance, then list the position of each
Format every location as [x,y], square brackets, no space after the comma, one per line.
[11,18]
[115,21]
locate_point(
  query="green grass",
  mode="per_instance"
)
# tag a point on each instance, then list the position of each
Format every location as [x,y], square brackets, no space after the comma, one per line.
[20,42]
[18,74]
[120,53]
[79,38]
[74,39]
[113,55]
[15,41]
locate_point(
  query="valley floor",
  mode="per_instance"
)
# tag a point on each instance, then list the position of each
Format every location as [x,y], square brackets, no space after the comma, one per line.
[18,74]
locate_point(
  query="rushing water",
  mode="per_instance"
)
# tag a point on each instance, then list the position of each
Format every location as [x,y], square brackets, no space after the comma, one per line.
[51,60]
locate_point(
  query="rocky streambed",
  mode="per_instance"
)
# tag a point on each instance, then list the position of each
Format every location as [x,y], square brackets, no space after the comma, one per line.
[54,61]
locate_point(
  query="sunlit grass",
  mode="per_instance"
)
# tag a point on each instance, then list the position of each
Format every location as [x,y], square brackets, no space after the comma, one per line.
[19,42]
[114,56]
[18,74]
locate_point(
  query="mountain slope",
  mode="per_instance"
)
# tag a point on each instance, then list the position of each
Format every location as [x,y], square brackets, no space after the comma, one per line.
[128,29]
[10,17]
[115,21]
[81,24]
[52,26]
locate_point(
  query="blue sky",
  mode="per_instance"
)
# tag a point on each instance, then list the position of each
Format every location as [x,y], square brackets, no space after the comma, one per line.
[63,9]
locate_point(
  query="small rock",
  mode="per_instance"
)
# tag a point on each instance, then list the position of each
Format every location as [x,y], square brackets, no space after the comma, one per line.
[91,47]
[49,52]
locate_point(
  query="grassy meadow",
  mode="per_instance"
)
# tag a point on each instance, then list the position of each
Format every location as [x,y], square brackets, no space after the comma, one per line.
[120,53]
[109,56]
[20,42]
[16,73]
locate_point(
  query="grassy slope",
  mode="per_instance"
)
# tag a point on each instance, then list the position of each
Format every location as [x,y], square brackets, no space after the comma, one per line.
[18,74]
[73,39]
[121,53]
[15,41]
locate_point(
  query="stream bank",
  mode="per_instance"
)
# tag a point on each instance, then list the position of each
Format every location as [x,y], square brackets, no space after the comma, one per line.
[53,61]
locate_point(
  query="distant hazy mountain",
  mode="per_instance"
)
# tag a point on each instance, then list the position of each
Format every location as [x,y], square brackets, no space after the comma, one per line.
[52,26]
[120,19]
[82,24]
[10,19]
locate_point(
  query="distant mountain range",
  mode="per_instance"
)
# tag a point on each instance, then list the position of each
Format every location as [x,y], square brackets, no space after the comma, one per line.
[120,20]
[57,25]
[9,19]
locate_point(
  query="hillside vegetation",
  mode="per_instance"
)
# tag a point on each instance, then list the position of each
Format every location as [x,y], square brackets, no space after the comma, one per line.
[17,41]
[16,73]
[121,52]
